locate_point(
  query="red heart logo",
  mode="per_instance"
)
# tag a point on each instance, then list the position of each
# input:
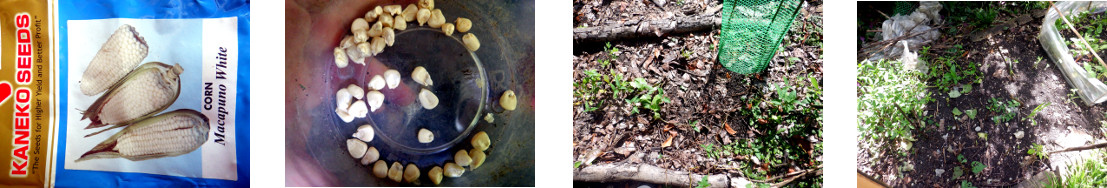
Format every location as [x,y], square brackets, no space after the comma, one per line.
[5,92]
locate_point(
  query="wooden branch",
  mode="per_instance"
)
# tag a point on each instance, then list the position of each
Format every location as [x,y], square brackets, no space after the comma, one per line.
[1080,148]
[871,52]
[605,173]
[815,171]
[649,28]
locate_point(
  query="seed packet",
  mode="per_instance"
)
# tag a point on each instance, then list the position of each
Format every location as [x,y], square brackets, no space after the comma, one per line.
[152,93]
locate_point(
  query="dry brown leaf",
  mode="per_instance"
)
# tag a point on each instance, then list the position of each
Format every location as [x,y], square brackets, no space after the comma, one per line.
[668,142]
[728,129]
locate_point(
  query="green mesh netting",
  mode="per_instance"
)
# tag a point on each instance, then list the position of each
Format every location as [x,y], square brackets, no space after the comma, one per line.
[752,30]
[904,8]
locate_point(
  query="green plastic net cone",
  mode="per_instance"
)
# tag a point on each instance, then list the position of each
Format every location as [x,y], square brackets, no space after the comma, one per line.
[904,8]
[752,30]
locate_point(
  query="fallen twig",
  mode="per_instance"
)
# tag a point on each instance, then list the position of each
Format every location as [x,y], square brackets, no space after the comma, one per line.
[817,172]
[890,42]
[646,28]
[1081,148]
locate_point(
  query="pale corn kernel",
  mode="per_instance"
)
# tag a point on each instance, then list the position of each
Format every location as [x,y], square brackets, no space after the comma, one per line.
[400,23]
[409,12]
[359,25]
[422,16]
[421,76]
[376,30]
[396,172]
[478,159]
[392,78]
[365,133]
[471,42]
[380,169]
[371,156]
[347,41]
[356,147]
[375,99]
[356,91]
[436,19]
[453,170]
[427,4]
[342,97]
[389,36]
[377,83]
[386,20]
[488,118]
[378,45]
[448,28]
[427,99]
[425,136]
[364,48]
[480,141]
[355,54]
[411,173]
[340,59]
[394,9]
[344,116]
[358,109]
[462,158]
[508,101]
[435,175]
[463,24]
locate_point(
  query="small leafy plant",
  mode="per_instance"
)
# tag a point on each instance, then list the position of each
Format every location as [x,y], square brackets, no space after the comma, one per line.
[612,54]
[890,102]
[586,91]
[1005,110]
[1037,150]
[651,97]
[966,184]
[703,183]
[977,167]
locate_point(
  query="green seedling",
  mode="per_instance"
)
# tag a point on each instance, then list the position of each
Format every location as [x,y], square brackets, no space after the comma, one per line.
[957,172]
[612,54]
[977,167]
[1037,150]
[1035,113]
[703,183]
[966,184]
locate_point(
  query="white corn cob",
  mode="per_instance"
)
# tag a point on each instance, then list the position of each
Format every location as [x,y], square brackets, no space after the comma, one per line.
[145,91]
[124,50]
[166,135]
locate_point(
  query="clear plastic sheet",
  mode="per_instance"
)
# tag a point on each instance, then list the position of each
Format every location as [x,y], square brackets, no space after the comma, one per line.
[917,22]
[1090,89]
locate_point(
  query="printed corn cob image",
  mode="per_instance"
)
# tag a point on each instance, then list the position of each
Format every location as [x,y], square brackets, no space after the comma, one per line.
[142,93]
[123,51]
[166,135]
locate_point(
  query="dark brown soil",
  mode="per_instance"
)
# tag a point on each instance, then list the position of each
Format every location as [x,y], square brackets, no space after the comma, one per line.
[1013,66]
[704,95]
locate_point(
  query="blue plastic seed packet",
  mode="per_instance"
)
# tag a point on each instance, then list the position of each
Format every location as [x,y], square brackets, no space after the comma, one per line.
[152,93]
